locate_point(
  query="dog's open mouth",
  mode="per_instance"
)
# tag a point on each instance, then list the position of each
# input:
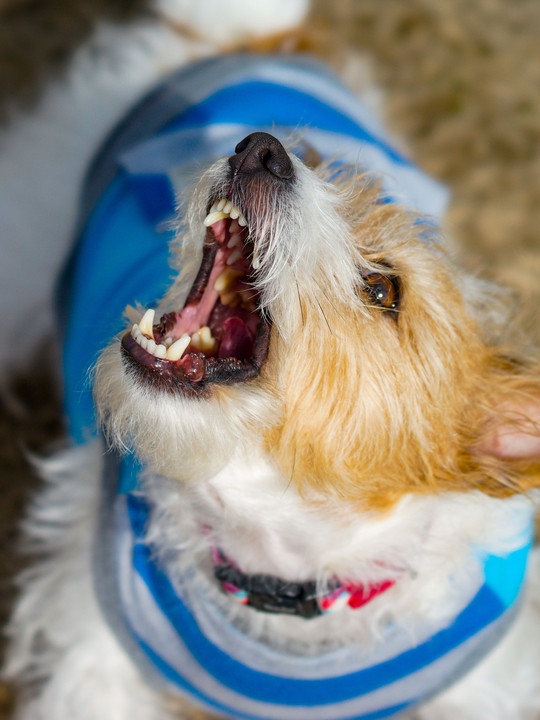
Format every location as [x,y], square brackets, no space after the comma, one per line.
[220,335]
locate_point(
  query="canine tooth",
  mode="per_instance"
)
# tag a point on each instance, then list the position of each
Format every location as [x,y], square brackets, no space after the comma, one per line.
[213,217]
[226,279]
[235,212]
[227,207]
[178,348]
[147,322]
[234,256]
[221,204]
[160,351]
[242,221]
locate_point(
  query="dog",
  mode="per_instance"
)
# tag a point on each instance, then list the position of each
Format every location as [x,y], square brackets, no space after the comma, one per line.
[320,499]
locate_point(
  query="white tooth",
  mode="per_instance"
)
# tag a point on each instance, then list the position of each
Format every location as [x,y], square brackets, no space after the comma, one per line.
[151,347]
[146,323]
[178,348]
[213,217]
[242,221]
[227,207]
[160,351]
[214,207]
[234,256]
[235,212]
[143,342]
[226,279]
[221,204]
[168,342]
[134,329]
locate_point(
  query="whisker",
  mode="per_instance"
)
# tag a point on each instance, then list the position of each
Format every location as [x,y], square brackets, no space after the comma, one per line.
[324,316]
[329,301]
[300,302]
[292,473]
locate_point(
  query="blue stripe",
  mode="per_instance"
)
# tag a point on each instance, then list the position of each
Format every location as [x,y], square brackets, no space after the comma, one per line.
[260,103]
[122,260]
[175,678]
[485,608]
[506,578]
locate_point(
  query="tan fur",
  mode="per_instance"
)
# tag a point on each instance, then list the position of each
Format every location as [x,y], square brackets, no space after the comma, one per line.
[374,409]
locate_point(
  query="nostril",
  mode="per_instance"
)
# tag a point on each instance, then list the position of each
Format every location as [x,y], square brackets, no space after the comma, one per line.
[261,152]
[242,145]
[280,167]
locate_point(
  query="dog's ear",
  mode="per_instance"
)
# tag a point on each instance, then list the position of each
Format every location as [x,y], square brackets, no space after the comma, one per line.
[515,435]
[505,454]
[511,416]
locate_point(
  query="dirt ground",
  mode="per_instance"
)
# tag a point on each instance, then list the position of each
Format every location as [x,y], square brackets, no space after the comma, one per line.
[461,85]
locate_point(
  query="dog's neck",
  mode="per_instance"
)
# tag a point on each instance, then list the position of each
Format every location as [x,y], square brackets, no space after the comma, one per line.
[259,520]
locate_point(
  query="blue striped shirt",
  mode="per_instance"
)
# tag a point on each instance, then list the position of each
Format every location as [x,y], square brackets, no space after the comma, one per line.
[182,642]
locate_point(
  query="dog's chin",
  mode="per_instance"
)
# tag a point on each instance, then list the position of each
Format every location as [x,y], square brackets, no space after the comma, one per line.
[177,435]
[220,336]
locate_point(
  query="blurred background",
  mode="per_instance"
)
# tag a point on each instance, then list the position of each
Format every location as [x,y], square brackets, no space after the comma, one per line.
[460,83]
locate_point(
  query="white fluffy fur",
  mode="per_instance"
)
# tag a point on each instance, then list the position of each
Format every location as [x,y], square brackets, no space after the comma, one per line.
[62,651]
[66,655]
[61,646]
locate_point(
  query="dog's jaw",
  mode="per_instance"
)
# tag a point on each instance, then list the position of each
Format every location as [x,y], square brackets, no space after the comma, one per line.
[220,335]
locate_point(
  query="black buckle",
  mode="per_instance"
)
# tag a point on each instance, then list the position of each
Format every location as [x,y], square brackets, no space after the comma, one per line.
[272,594]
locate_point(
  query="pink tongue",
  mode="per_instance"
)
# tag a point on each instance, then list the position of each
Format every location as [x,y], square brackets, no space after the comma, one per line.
[236,340]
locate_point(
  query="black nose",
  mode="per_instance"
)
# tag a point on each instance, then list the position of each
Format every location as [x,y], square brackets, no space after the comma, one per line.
[261,152]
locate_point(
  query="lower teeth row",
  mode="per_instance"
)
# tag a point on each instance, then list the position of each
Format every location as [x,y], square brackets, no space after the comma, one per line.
[201,340]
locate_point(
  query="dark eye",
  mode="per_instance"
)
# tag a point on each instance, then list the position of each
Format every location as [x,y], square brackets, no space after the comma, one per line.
[384,290]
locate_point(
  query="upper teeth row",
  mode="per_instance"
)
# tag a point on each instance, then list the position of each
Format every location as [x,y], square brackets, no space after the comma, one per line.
[224,209]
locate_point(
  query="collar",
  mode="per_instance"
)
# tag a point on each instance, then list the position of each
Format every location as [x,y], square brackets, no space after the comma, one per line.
[272,594]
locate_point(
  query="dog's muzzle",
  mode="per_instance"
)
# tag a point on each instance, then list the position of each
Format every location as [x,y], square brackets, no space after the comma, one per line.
[221,335]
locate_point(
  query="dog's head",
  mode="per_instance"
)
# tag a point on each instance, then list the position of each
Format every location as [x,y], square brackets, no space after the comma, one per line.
[328,329]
